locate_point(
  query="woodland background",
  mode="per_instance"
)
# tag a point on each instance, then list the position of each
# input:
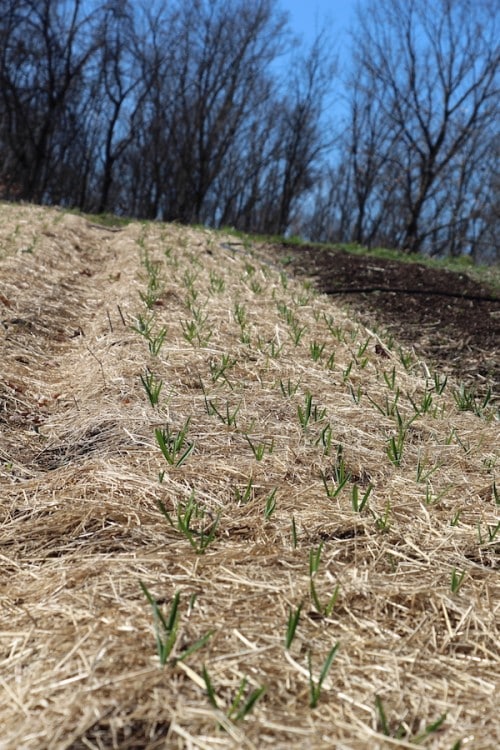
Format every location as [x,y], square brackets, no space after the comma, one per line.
[209,112]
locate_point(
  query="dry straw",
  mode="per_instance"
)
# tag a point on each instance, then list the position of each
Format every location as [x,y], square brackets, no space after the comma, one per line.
[319,559]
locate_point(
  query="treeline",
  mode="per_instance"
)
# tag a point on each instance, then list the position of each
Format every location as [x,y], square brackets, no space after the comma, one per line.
[205,111]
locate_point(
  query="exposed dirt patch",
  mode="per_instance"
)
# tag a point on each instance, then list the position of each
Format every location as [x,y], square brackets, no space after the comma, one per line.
[447,317]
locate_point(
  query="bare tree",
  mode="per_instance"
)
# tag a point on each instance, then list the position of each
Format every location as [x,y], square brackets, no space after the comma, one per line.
[434,67]
[43,57]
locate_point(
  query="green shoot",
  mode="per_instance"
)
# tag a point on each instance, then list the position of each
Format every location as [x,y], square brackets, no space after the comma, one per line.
[395,447]
[358,504]
[155,343]
[330,362]
[270,506]
[187,513]
[297,332]
[467,400]
[390,379]
[152,386]
[422,474]
[336,331]
[309,412]
[293,621]
[288,389]
[326,437]
[259,449]
[237,710]
[456,580]
[244,495]
[217,283]
[316,350]
[210,689]
[363,347]
[315,687]
[326,610]
[172,445]
[144,326]
[383,522]
[314,560]
[346,373]
[401,732]
[228,417]
[165,628]
[240,315]
[440,383]
[492,531]
[340,475]
[384,726]
[218,369]
[304,414]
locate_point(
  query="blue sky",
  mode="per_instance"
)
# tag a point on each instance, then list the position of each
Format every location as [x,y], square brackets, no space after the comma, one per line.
[309,16]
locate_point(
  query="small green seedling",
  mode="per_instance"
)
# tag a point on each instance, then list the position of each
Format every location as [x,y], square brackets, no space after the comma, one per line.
[401,733]
[288,389]
[173,445]
[358,504]
[228,417]
[363,347]
[430,498]
[457,579]
[316,350]
[492,531]
[238,710]
[144,325]
[259,449]
[187,514]
[316,686]
[326,437]
[336,331]
[217,283]
[242,496]
[440,383]
[291,627]
[152,386]
[270,505]
[390,378]
[383,522]
[155,343]
[424,474]
[309,412]
[330,362]
[314,560]
[296,332]
[496,494]
[218,369]
[340,475]
[467,399]
[347,372]
[395,447]
[165,627]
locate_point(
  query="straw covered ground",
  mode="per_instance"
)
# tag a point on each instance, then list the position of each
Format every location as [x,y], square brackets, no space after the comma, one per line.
[206,463]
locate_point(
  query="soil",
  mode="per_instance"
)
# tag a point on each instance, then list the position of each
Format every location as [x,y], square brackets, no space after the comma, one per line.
[447,317]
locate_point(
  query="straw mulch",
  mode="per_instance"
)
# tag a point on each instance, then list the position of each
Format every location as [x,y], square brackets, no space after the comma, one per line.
[80,525]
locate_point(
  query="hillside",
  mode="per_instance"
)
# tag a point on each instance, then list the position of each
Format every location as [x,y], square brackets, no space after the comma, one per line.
[233,513]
